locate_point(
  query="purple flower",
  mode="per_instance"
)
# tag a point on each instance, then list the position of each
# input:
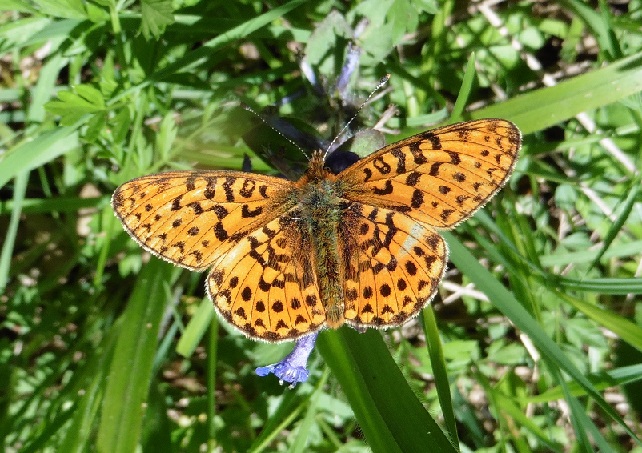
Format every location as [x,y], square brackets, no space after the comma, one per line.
[292,369]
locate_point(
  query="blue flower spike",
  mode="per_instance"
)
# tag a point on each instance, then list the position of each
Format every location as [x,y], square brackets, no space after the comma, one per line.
[292,369]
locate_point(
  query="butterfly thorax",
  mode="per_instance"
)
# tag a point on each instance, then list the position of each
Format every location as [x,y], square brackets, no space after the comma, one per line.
[320,206]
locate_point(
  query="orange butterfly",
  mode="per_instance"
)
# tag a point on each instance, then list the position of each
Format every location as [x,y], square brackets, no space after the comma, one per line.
[361,247]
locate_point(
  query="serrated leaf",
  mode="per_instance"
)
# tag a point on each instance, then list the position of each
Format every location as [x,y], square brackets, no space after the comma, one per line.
[95,126]
[157,15]
[90,94]
[71,106]
[403,17]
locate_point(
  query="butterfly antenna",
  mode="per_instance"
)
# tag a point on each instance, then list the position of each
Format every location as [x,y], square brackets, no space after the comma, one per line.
[381,83]
[250,109]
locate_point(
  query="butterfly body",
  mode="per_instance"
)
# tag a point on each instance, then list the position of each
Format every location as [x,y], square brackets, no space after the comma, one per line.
[322,205]
[361,247]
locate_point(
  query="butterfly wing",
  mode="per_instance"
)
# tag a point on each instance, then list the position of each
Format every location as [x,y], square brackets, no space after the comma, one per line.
[266,285]
[239,225]
[439,177]
[191,218]
[392,263]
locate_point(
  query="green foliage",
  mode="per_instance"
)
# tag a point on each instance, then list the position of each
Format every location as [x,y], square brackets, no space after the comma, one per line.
[537,320]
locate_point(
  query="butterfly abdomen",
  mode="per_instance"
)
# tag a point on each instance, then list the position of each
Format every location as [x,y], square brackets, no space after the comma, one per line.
[322,209]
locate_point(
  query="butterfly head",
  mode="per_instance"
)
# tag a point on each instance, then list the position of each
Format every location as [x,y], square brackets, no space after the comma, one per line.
[317,169]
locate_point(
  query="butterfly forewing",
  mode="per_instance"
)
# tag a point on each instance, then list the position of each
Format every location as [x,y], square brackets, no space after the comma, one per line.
[439,177]
[191,218]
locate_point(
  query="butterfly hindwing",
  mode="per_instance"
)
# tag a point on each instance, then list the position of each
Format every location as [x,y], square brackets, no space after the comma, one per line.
[266,285]
[393,265]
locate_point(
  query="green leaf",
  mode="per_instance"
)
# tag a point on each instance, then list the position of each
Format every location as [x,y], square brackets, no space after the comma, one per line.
[545,107]
[324,37]
[388,411]
[196,328]
[438,363]
[157,15]
[616,226]
[620,326]
[19,191]
[42,149]
[201,55]
[69,9]
[72,106]
[132,364]
[509,306]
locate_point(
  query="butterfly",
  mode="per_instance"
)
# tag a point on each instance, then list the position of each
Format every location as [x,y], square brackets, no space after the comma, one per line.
[360,247]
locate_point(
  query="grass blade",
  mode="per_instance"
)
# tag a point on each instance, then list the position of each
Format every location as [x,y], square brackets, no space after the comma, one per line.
[388,411]
[130,371]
